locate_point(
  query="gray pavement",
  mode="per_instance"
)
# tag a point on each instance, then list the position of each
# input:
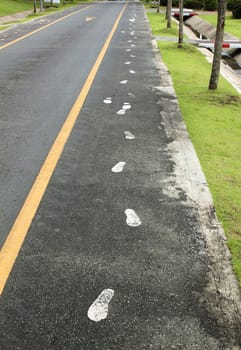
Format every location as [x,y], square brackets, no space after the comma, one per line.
[15,17]
[127,214]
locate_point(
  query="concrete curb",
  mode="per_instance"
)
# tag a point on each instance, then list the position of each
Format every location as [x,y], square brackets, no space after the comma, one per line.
[222,294]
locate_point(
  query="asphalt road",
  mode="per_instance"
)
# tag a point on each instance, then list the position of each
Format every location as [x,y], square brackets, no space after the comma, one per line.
[115,257]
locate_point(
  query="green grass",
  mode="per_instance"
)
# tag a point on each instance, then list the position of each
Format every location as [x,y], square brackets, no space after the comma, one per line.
[159,25]
[4,27]
[213,120]
[232,26]
[9,7]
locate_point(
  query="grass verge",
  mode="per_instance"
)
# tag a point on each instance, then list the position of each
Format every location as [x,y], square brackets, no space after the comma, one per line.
[232,26]
[9,7]
[213,120]
[158,24]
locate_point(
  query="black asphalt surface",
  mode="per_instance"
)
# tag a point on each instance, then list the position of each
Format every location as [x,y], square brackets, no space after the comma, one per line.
[79,243]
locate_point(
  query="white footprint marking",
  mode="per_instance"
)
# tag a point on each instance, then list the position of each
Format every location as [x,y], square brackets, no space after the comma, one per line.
[132,56]
[129,135]
[99,309]
[132,72]
[118,168]
[108,100]
[128,50]
[132,218]
[123,82]
[126,105]
[129,41]
[128,62]
[121,111]
[131,94]
[133,45]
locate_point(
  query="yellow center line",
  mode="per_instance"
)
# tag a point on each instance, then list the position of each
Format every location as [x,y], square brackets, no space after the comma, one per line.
[18,232]
[42,28]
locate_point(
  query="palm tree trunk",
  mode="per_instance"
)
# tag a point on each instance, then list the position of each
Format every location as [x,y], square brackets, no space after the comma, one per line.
[180,36]
[213,83]
[169,13]
[34,6]
[158,6]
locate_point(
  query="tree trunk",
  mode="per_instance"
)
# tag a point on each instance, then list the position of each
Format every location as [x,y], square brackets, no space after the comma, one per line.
[34,6]
[169,13]
[213,83]
[158,6]
[41,5]
[180,36]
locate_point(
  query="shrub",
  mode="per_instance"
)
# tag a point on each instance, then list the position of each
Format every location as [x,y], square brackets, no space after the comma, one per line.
[193,4]
[210,5]
[175,3]
[230,4]
[236,9]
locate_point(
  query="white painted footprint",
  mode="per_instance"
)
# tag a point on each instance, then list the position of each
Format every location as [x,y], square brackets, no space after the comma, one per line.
[128,50]
[126,105]
[124,108]
[118,168]
[108,100]
[121,111]
[131,94]
[99,309]
[132,219]
[128,62]
[129,135]
[123,82]
[132,72]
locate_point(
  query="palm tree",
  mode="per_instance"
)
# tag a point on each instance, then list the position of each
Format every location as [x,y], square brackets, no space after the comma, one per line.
[180,36]
[35,6]
[169,13]
[213,82]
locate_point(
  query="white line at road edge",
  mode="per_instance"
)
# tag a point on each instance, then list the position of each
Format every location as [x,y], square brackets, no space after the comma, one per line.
[99,309]
[132,219]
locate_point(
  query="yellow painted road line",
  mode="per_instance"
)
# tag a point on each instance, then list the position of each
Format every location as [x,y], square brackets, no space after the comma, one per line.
[42,28]
[18,232]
